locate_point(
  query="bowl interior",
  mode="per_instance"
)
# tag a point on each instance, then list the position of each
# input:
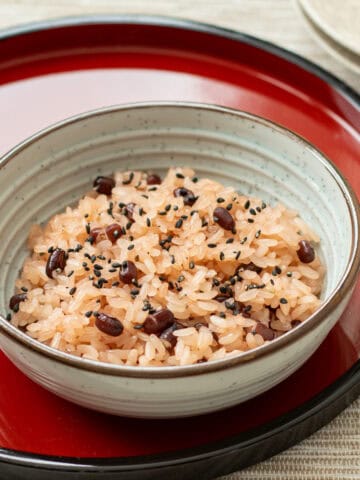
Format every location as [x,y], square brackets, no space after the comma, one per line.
[56,167]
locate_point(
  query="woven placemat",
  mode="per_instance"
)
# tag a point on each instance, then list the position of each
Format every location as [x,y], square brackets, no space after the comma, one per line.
[332,453]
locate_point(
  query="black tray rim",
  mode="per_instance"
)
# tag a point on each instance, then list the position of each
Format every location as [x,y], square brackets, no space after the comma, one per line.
[333,399]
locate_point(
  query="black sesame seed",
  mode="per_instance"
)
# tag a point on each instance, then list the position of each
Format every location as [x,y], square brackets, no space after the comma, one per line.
[97,273]
[222,315]
[243,240]
[229,240]
[145,196]
[172,259]
[87,256]
[141,211]
[138,326]
[250,220]
[272,281]
[257,234]
[112,270]
[8,317]
[276,271]
[51,249]
[222,255]
[116,264]
[148,222]
[98,267]
[252,211]
[283,300]
[195,179]
[152,189]
[115,284]
[131,246]
[229,206]
[212,245]
[258,209]
[181,278]
[179,175]
[191,265]
[220,200]
[167,207]
[72,291]
[247,204]
[179,223]
[163,212]
[289,274]
[135,291]
[237,256]
[84,264]
[88,229]
[215,282]
[263,205]
[175,208]
[129,180]
[88,314]
[24,289]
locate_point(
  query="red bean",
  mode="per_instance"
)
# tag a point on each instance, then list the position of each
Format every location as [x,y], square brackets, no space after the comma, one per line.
[158,321]
[153,179]
[109,325]
[223,218]
[94,233]
[188,196]
[104,185]
[168,334]
[15,300]
[266,332]
[129,211]
[113,232]
[56,261]
[128,272]
[306,252]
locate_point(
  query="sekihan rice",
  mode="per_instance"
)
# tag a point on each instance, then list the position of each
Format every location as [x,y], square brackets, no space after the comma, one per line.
[229,290]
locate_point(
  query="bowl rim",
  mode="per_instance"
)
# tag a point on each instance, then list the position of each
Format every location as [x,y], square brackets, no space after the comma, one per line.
[344,285]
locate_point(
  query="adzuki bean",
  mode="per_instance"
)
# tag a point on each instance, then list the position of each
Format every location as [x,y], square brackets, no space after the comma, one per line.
[223,218]
[104,185]
[306,252]
[56,261]
[109,325]
[158,321]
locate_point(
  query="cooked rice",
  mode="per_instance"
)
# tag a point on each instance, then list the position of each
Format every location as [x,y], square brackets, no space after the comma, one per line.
[183,275]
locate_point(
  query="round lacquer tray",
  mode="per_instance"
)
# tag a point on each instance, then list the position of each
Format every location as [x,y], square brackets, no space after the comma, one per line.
[53,70]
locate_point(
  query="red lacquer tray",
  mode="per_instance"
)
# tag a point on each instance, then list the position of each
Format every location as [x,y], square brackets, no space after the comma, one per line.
[54,70]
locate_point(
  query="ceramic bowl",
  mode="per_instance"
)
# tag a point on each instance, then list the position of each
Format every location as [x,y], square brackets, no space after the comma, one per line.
[54,167]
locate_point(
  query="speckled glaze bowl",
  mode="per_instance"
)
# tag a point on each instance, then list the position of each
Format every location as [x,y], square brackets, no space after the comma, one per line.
[53,168]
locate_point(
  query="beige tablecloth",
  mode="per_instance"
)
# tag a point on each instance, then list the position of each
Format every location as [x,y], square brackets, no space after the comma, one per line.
[334,451]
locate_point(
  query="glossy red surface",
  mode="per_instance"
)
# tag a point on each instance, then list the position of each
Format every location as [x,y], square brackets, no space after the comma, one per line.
[51,74]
